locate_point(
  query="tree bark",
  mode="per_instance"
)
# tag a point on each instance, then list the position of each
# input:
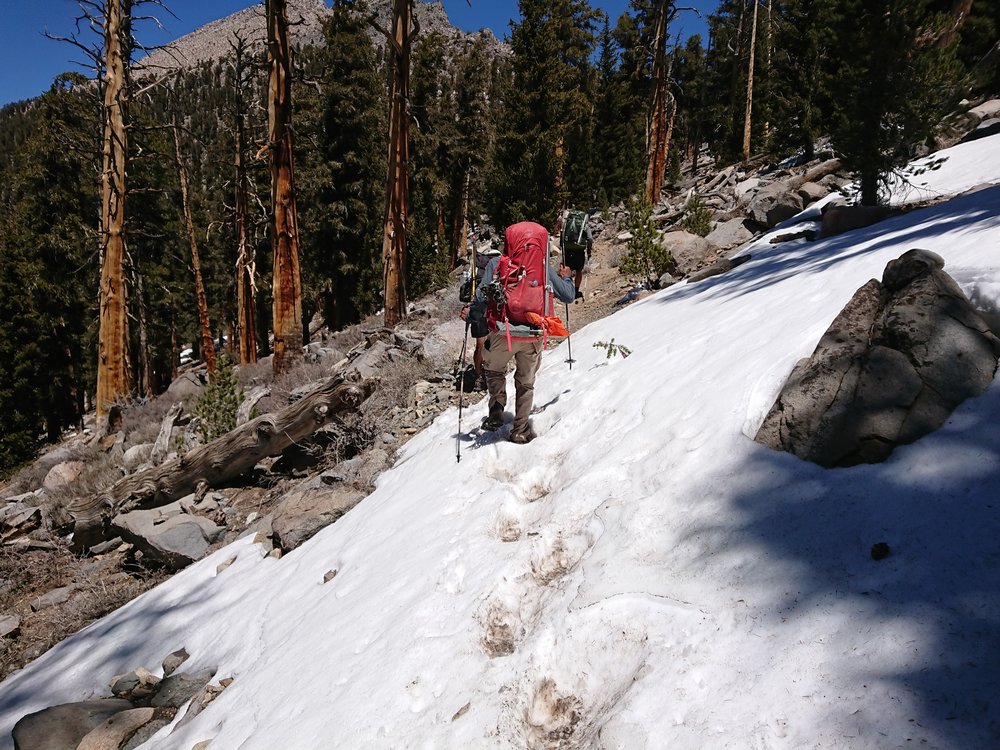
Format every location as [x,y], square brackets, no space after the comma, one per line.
[246,327]
[747,120]
[397,182]
[114,377]
[287,289]
[207,343]
[219,462]
[656,131]
[162,445]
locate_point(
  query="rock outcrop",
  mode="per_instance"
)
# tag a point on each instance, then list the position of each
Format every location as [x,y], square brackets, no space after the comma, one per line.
[891,368]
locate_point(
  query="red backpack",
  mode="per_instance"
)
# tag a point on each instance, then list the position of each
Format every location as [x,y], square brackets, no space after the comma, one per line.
[522,277]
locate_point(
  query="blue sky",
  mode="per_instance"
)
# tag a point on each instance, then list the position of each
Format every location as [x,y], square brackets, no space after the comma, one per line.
[29,61]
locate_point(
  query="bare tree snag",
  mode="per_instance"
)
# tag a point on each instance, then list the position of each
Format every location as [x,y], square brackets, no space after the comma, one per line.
[397,182]
[287,286]
[246,326]
[207,343]
[219,462]
[114,376]
[162,445]
[656,128]
[747,121]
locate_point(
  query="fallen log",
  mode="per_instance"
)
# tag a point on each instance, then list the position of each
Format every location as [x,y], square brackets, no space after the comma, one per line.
[218,462]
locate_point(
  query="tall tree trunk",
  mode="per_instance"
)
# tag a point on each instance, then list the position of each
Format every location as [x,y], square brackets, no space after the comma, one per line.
[460,221]
[287,290]
[144,358]
[207,343]
[397,183]
[245,337]
[657,127]
[114,377]
[747,121]
[734,98]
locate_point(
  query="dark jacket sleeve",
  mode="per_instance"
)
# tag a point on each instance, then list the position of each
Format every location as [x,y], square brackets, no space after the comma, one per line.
[478,305]
[564,289]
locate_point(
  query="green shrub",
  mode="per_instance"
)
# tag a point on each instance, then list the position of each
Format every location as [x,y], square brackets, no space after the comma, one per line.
[647,257]
[611,348]
[219,402]
[698,218]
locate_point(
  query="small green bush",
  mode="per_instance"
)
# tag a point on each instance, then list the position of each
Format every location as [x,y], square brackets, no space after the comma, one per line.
[698,218]
[612,348]
[219,402]
[647,257]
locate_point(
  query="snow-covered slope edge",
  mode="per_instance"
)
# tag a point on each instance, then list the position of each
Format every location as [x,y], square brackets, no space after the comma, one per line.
[642,575]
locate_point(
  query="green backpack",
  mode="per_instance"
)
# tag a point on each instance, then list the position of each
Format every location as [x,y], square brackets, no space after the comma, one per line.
[574,234]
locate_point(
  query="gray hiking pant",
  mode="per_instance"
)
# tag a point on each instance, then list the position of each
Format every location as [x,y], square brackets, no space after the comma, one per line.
[527,355]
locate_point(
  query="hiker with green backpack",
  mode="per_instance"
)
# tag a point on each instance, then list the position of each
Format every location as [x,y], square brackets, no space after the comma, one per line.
[516,297]
[577,243]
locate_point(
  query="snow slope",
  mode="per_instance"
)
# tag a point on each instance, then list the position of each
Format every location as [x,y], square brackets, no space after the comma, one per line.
[643,575]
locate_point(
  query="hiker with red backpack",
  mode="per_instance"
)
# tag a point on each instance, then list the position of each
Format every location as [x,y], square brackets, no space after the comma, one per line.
[516,297]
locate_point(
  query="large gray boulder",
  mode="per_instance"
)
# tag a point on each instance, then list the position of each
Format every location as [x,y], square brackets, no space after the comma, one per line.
[302,514]
[168,534]
[730,234]
[774,204]
[891,368]
[689,251]
[64,727]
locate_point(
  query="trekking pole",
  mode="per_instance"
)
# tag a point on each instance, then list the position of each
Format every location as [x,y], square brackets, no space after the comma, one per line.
[569,339]
[461,391]
[461,361]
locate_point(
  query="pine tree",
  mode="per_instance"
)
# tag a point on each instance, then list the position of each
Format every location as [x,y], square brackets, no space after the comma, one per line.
[892,88]
[48,270]
[342,169]
[552,44]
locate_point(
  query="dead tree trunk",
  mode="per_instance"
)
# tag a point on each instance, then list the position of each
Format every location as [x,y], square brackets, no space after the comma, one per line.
[747,121]
[398,178]
[287,289]
[207,343]
[145,361]
[219,462]
[656,130]
[114,376]
[246,327]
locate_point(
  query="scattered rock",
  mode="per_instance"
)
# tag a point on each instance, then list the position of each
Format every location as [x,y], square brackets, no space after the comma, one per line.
[51,598]
[730,234]
[64,727]
[116,730]
[167,534]
[304,513]
[774,204]
[177,689]
[719,267]
[173,660]
[136,456]
[10,626]
[62,475]
[136,685]
[689,251]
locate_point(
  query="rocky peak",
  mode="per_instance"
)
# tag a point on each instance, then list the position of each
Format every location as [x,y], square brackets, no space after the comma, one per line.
[213,40]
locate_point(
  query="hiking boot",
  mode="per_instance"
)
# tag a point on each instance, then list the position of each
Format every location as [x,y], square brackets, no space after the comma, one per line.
[520,438]
[579,294]
[492,424]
